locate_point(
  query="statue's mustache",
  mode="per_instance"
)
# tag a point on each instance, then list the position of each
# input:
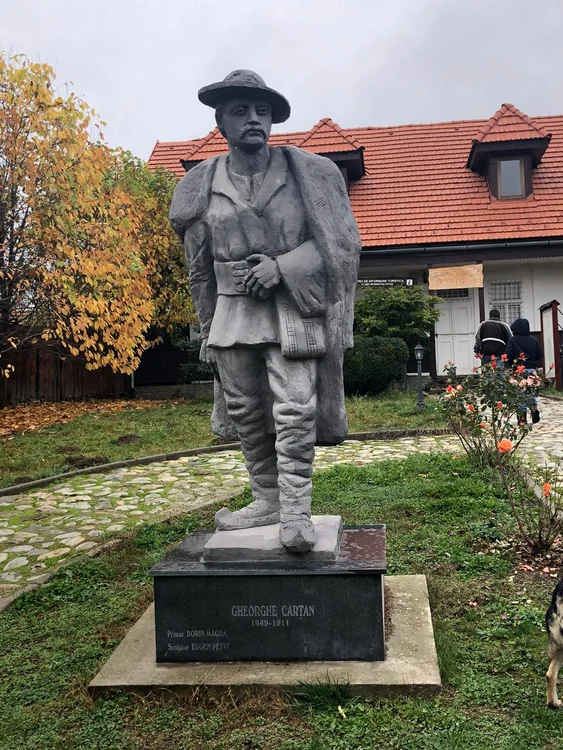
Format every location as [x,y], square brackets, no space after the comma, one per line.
[253,129]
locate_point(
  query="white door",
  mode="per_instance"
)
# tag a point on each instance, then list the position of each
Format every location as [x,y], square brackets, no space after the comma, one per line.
[455,330]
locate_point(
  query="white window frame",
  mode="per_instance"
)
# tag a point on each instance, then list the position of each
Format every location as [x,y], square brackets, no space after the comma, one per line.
[454,294]
[511,196]
[506,306]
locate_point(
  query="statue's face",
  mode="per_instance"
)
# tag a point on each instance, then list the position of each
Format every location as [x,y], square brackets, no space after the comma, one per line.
[245,123]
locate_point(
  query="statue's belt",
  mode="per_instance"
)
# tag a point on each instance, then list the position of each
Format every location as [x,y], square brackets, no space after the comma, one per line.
[227,281]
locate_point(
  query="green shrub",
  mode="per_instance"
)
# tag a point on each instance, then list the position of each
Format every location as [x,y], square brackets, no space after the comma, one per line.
[374,363]
[407,312]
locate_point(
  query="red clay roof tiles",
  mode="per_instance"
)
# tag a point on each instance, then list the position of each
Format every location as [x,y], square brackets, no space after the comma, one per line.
[417,188]
[326,137]
[509,124]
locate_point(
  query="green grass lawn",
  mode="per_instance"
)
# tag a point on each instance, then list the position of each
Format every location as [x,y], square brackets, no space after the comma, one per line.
[393,410]
[441,517]
[165,428]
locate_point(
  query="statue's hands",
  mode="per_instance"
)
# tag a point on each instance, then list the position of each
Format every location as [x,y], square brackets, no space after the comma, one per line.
[208,356]
[240,272]
[263,276]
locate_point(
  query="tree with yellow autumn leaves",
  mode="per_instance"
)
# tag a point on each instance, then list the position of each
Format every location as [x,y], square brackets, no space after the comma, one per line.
[87,258]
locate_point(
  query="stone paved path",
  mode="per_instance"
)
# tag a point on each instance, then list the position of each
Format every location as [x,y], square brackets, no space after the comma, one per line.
[544,445]
[41,529]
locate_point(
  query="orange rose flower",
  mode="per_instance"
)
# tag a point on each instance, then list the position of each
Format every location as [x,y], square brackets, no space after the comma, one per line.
[470,407]
[505,445]
[499,404]
[546,489]
[519,369]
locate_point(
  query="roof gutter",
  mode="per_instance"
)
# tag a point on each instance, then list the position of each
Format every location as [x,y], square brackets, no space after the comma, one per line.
[467,247]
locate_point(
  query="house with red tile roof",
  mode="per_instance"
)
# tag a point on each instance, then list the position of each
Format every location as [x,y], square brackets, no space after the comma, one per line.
[473,210]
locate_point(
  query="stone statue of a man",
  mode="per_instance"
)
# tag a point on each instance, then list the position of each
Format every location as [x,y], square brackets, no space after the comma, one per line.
[273,251]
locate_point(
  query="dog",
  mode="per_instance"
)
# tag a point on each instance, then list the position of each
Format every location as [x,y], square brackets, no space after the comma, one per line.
[554,627]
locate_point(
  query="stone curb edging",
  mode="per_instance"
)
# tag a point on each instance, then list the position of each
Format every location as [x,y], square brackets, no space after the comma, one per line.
[396,434]
[102,468]
[7,601]
[16,489]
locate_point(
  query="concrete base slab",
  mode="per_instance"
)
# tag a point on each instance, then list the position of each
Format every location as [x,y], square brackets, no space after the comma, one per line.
[263,543]
[410,667]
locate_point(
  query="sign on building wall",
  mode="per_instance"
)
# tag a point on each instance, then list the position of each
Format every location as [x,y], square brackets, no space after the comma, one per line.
[386,282]
[455,277]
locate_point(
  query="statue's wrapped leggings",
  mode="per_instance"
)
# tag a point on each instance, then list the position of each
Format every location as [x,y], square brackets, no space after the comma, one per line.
[281,465]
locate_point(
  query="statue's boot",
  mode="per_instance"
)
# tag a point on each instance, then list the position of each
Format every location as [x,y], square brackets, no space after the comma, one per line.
[258,513]
[297,533]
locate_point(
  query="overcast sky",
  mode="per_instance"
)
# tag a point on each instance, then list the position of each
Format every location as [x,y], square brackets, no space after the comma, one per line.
[139,63]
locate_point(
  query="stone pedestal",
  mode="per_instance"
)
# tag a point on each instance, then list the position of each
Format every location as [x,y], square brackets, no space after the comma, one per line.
[282,608]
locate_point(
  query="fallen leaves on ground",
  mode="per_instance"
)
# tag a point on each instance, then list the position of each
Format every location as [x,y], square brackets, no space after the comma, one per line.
[549,564]
[37,414]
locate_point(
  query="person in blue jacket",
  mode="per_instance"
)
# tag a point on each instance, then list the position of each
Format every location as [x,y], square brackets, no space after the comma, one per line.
[522,342]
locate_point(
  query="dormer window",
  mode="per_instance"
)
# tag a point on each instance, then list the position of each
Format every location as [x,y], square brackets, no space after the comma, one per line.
[511,178]
[328,139]
[507,150]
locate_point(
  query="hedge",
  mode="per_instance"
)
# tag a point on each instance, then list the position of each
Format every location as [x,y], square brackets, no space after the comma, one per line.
[373,364]
[194,370]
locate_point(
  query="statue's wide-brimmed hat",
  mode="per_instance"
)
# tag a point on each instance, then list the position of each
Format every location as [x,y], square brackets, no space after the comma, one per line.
[245,83]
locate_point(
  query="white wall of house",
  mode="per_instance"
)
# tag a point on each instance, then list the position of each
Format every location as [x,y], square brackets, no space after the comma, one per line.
[547,285]
[517,288]
[541,281]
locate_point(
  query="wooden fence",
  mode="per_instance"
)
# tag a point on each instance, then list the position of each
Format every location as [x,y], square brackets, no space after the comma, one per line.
[47,375]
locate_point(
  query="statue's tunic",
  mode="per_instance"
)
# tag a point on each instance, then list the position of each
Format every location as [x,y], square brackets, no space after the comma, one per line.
[301,216]
[225,232]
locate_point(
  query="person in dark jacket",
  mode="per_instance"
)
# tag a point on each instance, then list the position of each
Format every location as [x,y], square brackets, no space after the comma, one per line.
[492,337]
[522,342]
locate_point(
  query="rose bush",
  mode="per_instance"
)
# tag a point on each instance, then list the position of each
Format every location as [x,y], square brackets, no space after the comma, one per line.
[535,499]
[485,411]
